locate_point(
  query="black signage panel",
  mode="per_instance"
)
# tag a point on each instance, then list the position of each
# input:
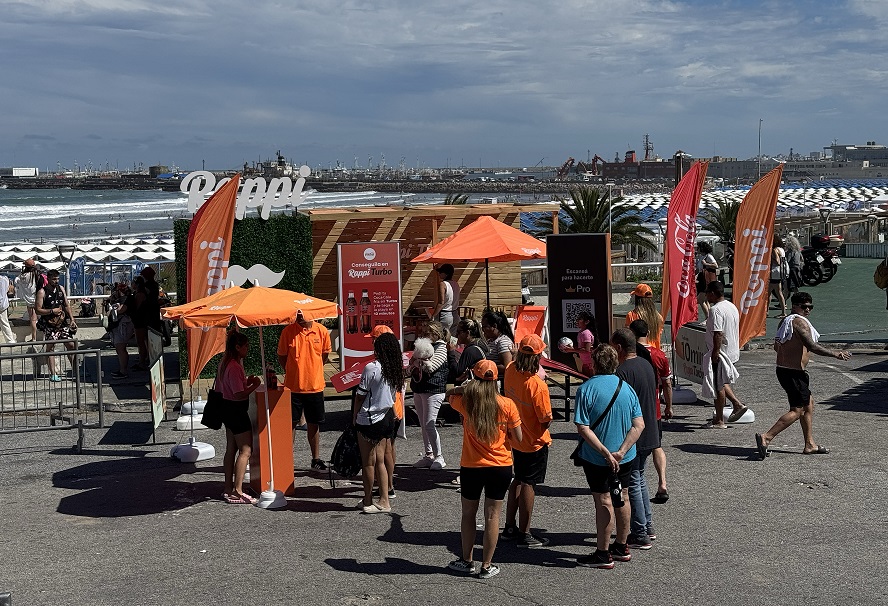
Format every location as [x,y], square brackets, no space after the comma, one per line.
[579,280]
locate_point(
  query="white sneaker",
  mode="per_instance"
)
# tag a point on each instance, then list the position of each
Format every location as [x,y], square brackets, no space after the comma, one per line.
[438,463]
[424,463]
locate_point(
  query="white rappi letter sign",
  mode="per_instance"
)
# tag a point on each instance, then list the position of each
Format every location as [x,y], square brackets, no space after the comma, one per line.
[254,193]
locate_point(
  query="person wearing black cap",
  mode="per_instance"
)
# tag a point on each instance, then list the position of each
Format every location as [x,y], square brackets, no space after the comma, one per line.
[447,309]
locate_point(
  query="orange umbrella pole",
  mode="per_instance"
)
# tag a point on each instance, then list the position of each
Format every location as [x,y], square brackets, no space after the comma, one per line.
[267,416]
[487,279]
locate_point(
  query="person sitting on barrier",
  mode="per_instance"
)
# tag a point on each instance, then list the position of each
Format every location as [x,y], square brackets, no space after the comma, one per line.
[236,388]
[56,320]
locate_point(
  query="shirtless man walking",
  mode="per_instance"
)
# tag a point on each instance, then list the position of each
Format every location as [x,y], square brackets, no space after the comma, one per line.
[796,339]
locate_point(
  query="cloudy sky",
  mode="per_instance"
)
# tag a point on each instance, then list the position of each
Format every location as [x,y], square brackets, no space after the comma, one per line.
[436,83]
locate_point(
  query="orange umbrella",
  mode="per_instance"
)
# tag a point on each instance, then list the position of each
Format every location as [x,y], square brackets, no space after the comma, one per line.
[485,239]
[255,306]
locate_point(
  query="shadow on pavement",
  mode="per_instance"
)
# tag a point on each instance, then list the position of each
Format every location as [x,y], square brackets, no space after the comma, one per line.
[867,397]
[506,552]
[742,454]
[132,487]
[127,432]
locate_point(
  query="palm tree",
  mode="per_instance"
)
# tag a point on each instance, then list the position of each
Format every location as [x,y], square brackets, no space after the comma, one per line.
[721,220]
[456,199]
[589,211]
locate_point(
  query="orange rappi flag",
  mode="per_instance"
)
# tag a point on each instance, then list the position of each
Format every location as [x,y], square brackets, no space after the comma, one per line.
[209,248]
[679,286]
[752,254]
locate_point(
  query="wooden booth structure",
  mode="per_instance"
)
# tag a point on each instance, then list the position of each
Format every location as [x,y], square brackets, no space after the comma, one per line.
[417,228]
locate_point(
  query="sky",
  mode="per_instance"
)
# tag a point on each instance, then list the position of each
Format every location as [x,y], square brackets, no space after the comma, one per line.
[498,83]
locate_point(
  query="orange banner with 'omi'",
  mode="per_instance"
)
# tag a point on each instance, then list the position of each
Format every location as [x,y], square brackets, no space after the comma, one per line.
[753,241]
[209,248]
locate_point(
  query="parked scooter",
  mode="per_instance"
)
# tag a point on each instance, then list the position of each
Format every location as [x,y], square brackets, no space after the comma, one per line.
[821,259]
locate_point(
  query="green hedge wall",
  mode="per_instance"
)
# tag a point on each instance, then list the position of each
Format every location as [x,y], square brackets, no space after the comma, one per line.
[282,243]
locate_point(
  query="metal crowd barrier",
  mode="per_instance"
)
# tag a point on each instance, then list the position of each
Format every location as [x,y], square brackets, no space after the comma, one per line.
[31,401]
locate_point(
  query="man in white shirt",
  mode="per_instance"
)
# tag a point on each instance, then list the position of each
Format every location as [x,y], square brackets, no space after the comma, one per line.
[723,344]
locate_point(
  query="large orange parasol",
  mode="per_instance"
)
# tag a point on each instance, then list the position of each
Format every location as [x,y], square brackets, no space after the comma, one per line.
[255,306]
[485,239]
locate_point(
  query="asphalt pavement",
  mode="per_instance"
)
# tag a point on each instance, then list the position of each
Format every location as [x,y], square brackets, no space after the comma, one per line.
[123,523]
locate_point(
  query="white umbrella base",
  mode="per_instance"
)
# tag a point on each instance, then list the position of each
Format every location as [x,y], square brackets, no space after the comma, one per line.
[271,499]
[193,451]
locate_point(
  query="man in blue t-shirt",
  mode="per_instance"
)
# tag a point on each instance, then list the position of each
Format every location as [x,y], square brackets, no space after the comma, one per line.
[607,450]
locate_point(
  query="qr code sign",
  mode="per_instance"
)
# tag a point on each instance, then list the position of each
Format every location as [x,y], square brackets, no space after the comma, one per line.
[571,308]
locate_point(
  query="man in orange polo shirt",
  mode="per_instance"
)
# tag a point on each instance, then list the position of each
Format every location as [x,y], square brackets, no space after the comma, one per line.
[531,395]
[303,350]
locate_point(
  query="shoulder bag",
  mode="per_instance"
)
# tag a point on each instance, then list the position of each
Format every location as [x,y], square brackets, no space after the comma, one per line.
[214,411]
[575,455]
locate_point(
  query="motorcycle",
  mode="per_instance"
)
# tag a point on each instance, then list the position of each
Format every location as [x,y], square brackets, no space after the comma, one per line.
[831,262]
[812,267]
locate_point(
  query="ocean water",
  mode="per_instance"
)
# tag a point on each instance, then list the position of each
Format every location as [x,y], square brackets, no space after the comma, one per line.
[51,215]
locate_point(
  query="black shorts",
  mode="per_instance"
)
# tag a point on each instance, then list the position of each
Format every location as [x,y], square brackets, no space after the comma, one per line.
[494,481]
[312,404]
[795,383]
[236,417]
[530,467]
[598,475]
[381,430]
[660,431]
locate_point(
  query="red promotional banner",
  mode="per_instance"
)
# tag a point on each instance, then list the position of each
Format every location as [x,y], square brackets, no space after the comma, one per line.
[369,294]
[752,254]
[209,248]
[352,377]
[679,288]
[529,319]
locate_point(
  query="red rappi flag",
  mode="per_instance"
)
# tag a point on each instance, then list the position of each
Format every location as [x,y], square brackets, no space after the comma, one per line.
[752,254]
[679,288]
[209,248]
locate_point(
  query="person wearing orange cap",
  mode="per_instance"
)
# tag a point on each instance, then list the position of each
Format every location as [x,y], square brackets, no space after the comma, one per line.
[490,421]
[531,454]
[647,311]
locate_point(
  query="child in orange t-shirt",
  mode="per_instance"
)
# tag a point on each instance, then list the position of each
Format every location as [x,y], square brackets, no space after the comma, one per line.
[531,454]
[489,422]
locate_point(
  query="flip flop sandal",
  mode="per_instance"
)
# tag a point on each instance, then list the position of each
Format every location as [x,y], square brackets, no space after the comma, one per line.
[737,414]
[239,499]
[760,446]
[820,450]
[660,497]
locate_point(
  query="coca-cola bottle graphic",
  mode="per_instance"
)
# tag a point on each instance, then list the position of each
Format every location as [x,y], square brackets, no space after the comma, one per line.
[366,308]
[351,314]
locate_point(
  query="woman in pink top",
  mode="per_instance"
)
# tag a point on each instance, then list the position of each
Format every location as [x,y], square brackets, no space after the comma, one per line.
[236,388]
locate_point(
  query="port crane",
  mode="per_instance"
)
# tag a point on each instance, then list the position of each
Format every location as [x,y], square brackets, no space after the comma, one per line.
[562,173]
[591,167]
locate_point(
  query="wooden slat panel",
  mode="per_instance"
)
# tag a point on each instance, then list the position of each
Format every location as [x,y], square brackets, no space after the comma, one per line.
[414,227]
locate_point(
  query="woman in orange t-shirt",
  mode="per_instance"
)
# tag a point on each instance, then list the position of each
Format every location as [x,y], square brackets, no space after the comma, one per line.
[647,311]
[489,420]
